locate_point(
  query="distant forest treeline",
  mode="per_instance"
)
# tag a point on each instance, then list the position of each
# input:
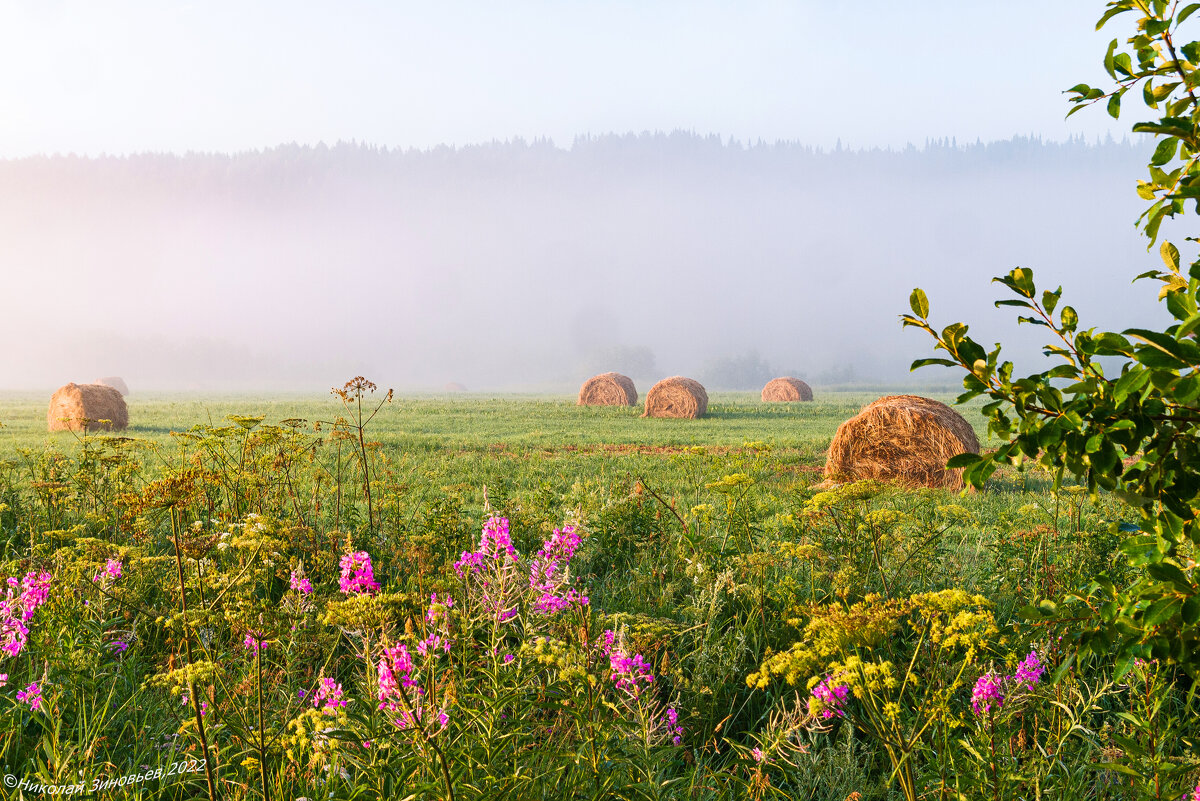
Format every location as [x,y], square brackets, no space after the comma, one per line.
[519,264]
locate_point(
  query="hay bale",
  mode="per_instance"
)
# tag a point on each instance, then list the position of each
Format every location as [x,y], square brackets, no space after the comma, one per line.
[114,381]
[786,390]
[676,397]
[75,405]
[901,438]
[454,386]
[608,389]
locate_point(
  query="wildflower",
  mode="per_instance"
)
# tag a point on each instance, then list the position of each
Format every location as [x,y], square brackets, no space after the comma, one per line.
[395,670]
[298,581]
[328,697]
[489,570]
[758,755]
[111,572]
[120,646]
[830,698]
[986,693]
[549,572]
[254,641]
[1030,671]
[31,695]
[508,658]
[443,718]
[671,718]
[439,611]
[1195,794]
[357,574]
[3,679]
[300,694]
[627,672]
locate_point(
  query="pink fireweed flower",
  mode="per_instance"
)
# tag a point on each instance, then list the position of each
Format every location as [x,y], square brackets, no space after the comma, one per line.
[431,644]
[254,641]
[831,697]
[627,672]
[31,695]
[395,670]
[443,718]
[111,572]
[671,719]
[328,697]
[36,590]
[490,570]
[548,575]
[988,692]
[758,755]
[1030,671]
[13,634]
[358,576]
[298,582]
[1195,794]
[439,611]
[120,646]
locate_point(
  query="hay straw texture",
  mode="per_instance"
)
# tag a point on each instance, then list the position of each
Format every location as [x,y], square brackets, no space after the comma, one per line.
[785,390]
[114,381]
[608,389]
[73,404]
[901,438]
[676,397]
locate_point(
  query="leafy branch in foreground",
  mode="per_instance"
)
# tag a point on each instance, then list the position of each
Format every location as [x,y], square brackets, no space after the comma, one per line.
[1130,425]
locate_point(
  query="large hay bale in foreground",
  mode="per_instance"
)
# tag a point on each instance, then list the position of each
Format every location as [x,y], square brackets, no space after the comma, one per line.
[676,397]
[608,389]
[786,390]
[901,438]
[114,381]
[75,405]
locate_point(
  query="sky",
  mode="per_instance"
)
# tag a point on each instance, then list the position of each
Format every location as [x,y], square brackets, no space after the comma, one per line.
[131,76]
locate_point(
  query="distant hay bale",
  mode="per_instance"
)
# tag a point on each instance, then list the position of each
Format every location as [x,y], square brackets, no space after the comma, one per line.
[676,397]
[114,381]
[74,405]
[608,389]
[785,390]
[454,386]
[901,438]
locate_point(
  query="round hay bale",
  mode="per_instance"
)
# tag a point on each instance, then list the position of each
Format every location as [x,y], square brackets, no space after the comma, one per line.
[608,389]
[901,438]
[454,386]
[676,397]
[786,390]
[74,406]
[114,381]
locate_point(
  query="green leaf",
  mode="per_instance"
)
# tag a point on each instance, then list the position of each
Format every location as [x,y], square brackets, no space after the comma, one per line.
[963,460]
[1169,573]
[1164,152]
[1069,318]
[1170,256]
[926,362]
[1187,12]
[1108,62]
[919,303]
[1114,106]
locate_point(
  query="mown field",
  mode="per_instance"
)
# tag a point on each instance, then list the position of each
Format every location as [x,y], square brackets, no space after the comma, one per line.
[670,609]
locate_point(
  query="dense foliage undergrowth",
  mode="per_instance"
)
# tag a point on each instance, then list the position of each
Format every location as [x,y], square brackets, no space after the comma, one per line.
[284,611]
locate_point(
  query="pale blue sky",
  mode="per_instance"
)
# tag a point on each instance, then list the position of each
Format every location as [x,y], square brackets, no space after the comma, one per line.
[131,76]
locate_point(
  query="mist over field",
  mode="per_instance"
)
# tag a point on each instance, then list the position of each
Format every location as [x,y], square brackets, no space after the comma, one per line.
[522,265]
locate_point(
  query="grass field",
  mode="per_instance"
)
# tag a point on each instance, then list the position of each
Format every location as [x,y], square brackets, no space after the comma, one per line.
[715,574]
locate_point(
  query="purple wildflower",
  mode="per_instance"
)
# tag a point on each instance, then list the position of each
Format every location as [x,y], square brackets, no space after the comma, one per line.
[627,672]
[111,572]
[671,718]
[1030,671]
[489,570]
[120,646]
[758,755]
[832,697]
[548,573]
[357,574]
[31,695]
[328,697]
[254,641]
[299,582]
[987,692]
